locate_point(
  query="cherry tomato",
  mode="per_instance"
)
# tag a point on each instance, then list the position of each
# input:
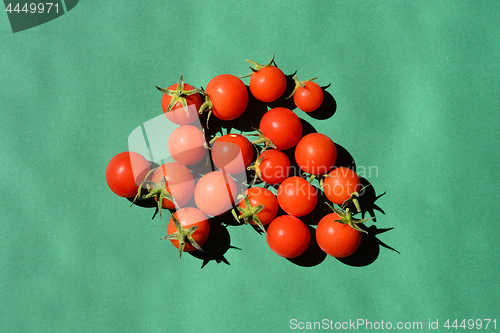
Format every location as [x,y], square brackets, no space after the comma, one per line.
[188,217]
[267,84]
[316,154]
[337,239]
[282,126]
[288,236]
[228,95]
[186,145]
[179,183]
[310,97]
[297,197]
[259,196]
[340,183]
[232,153]
[272,166]
[215,193]
[124,171]
[178,114]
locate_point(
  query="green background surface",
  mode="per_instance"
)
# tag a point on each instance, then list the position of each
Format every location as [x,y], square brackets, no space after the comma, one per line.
[417,90]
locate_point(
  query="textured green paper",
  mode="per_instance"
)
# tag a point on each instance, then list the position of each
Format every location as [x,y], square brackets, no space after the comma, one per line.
[416,84]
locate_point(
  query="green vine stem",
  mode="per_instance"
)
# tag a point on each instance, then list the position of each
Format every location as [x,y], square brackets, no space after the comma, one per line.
[299,84]
[262,139]
[256,66]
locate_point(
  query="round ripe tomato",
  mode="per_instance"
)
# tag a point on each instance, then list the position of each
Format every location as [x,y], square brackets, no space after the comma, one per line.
[188,217]
[228,95]
[288,236]
[178,114]
[267,84]
[272,166]
[282,126]
[297,197]
[316,154]
[337,239]
[340,183]
[308,98]
[232,153]
[186,145]
[124,171]
[179,183]
[215,193]
[259,196]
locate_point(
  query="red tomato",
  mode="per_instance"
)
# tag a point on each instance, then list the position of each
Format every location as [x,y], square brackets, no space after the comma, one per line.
[272,166]
[282,126]
[228,95]
[288,236]
[186,145]
[188,217]
[316,154]
[297,197]
[340,183]
[179,183]
[232,153]
[267,84]
[309,97]
[124,171]
[337,239]
[178,114]
[259,196]
[215,193]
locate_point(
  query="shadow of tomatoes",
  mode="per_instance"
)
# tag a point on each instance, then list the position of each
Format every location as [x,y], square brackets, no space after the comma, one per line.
[369,249]
[216,246]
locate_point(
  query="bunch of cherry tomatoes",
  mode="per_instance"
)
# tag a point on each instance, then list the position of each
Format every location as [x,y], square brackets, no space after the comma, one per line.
[249,178]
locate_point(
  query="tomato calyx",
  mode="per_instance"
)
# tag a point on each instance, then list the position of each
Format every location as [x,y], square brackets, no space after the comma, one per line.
[262,139]
[299,84]
[347,218]
[257,66]
[157,190]
[256,167]
[179,95]
[183,236]
[353,201]
[249,214]
[207,106]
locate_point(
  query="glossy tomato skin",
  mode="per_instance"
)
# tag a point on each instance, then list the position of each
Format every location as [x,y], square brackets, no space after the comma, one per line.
[232,153]
[178,114]
[124,171]
[288,236]
[215,193]
[262,196]
[274,167]
[282,126]
[229,96]
[340,183]
[316,154]
[190,217]
[179,183]
[297,197]
[337,239]
[268,84]
[186,145]
[309,98]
